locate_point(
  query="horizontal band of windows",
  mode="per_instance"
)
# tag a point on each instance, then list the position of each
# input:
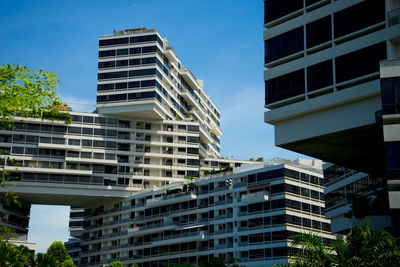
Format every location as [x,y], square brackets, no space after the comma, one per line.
[130,62]
[130,51]
[130,96]
[126,74]
[127,85]
[59,178]
[131,40]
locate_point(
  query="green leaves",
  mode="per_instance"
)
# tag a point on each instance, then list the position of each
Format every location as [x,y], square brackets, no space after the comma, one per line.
[362,246]
[29,94]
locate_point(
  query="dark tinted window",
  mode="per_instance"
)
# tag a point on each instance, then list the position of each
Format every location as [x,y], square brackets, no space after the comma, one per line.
[284,45]
[359,16]
[286,86]
[274,9]
[319,75]
[319,31]
[360,62]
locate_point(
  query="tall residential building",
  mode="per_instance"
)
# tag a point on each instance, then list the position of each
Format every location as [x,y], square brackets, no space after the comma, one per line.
[250,214]
[153,126]
[323,82]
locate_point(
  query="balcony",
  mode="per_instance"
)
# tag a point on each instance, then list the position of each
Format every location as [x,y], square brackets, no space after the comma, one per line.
[170,54]
[159,227]
[170,199]
[189,78]
[255,197]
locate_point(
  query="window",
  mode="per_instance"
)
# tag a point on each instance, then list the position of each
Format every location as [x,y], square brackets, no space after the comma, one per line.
[87,143]
[390,91]
[285,86]
[74,142]
[274,9]
[111,98]
[106,64]
[319,31]
[149,49]
[105,87]
[32,139]
[17,150]
[122,52]
[143,72]
[87,131]
[121,86]
[107,53]
[284,45]
[115,41]
[135,51]
[362,15]
[148,60]
[122,63]
[74,130]
[319,75]
[360,62]
[143,39]
[112,75]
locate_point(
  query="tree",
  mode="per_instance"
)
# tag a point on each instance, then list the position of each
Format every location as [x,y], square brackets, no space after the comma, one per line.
[68,263]
[362,246]
[27,94]
[116,264]
[58,252]
[12,255]
[7,233]
[314,252]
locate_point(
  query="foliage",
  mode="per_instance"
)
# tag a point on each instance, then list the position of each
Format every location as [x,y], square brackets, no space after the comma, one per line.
[314,252]
[362,246]
[260,159]
[7,233]
[29,94]
[116,264]
[188,177]
[11,255]
[58,252]
[178,117]
[68,263]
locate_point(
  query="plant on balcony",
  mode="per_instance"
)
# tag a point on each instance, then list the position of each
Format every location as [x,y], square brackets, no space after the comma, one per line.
[189,187]
[206,173]
[188,177]
[178,117]
[116,264]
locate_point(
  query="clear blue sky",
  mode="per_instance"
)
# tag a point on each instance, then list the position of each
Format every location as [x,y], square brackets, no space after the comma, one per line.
[220,41]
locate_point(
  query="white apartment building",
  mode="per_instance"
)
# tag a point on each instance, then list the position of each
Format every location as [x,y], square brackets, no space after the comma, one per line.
[153,126]
[250,214]
[327,94]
